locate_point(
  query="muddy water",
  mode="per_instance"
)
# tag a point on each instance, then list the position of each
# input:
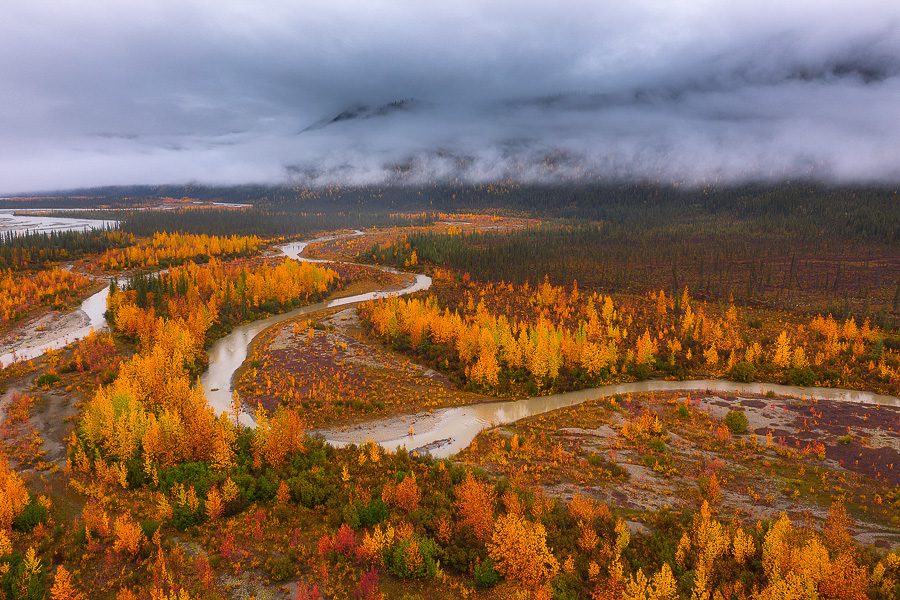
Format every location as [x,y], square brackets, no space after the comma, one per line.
[447,431]
[295,249]
[228,353]
[93,315]
[444,432]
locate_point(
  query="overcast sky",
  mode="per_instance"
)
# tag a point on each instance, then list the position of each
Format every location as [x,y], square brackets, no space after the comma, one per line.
[97,92]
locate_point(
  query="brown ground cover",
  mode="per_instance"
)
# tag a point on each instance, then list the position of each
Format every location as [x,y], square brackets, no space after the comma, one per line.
[649,452]
[328,368]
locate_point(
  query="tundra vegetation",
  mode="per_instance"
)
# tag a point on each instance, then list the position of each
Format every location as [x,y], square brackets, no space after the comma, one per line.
[118,479]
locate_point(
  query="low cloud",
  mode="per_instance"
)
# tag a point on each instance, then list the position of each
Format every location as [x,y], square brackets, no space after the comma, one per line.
[103,92]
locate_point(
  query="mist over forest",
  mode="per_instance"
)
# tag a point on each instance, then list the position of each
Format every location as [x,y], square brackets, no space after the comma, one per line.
[322,93]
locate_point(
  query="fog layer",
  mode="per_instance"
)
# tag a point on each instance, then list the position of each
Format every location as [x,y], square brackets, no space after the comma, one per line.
[220,91]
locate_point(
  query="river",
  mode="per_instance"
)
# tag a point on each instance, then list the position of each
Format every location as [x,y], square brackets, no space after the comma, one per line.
[228,353]
[446,431]
[441,432]
[20,224]
[92,308]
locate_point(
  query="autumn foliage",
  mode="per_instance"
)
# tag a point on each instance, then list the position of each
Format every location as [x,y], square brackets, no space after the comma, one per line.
[520,550]
[217,293]
[163,249]
[501,335]
[169,500]
[13,494]
[63,587]
[475,501]
[21,292]
[153,411]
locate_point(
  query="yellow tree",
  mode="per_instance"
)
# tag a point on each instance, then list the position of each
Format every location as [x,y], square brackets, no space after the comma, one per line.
[783,351]
[63,588]
[13,494]
[663,586]
[644,349]
[214,505]
[475,501]
[486,369]
[520,550]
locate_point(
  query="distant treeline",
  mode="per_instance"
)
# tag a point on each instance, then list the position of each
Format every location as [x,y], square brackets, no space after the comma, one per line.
[716,259]
[803,208]
[810,210]
[265,221]
[35,249]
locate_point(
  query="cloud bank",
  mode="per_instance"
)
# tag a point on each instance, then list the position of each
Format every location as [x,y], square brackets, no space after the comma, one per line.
[104,92]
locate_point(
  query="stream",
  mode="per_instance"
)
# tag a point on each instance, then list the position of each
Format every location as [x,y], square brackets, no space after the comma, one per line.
[93,307]
[227,354]
[441,432]
[444,432]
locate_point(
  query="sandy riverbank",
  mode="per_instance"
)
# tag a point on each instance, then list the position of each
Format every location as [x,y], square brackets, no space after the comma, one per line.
[41,330]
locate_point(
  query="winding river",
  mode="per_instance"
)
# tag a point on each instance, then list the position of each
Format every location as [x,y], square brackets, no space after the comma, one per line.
[440,432]
[227,354]
[92,308]
[446,431]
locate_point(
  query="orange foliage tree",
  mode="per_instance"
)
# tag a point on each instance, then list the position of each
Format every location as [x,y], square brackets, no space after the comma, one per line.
[475,502]
[548,329]
[519,547]
[13,494]
[171,248]
[20,292]
[63,587]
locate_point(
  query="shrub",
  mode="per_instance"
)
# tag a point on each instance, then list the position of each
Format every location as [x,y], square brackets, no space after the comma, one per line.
[136,474]
[279,568]
[149,527]
[639,371]
[196,474]
[657,445]
[33,514]
[266,488]
[600,462]
[47,379]
[308,490]
[373,513]
[804,377]
[743,372]
[485,574]
[736,421]
[183,517]
[358,515]
[403,559]
[566,587]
